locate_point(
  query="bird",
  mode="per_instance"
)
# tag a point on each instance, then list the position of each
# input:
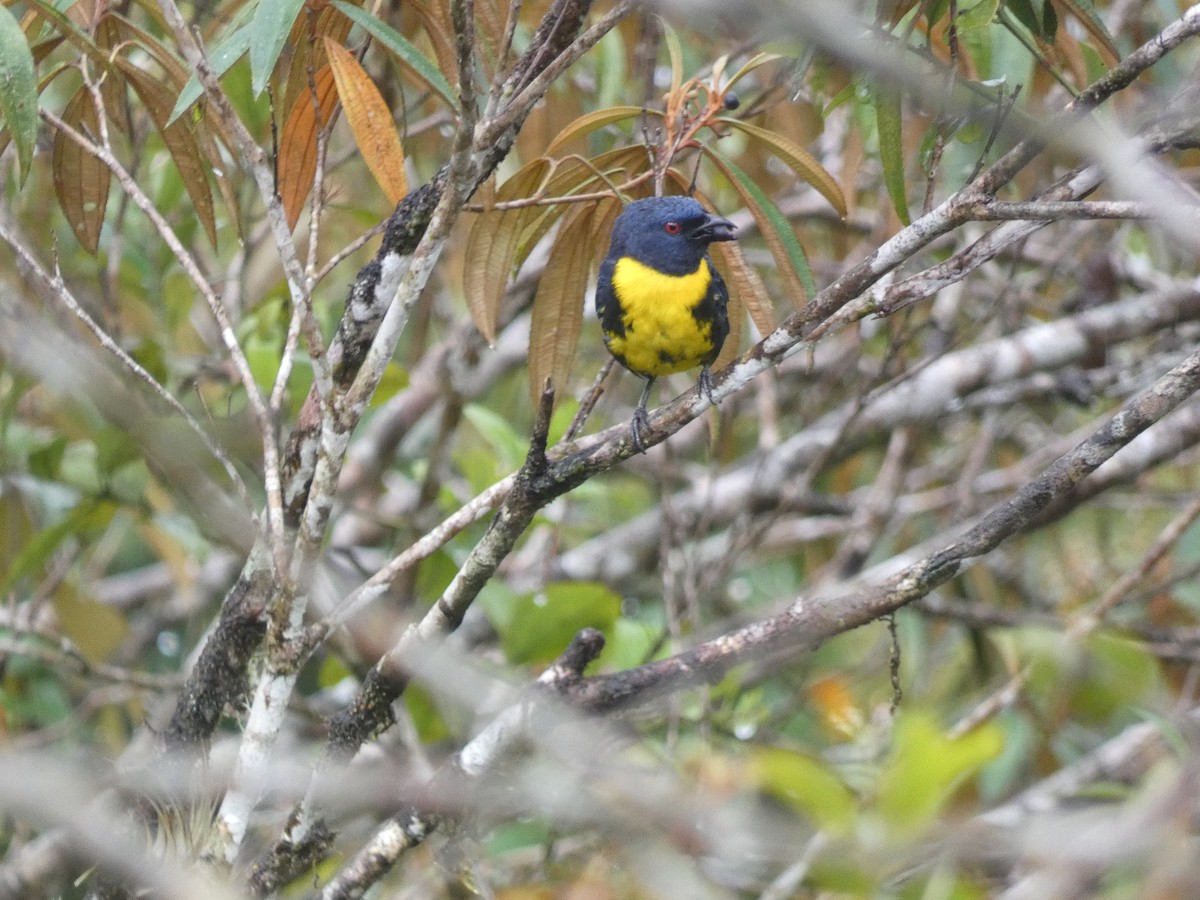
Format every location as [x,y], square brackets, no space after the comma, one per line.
[662,304]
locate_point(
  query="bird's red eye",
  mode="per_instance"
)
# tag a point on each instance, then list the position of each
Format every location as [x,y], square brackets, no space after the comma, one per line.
[671,228]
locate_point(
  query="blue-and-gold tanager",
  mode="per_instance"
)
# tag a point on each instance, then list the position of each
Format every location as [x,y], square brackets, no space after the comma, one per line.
[661,302]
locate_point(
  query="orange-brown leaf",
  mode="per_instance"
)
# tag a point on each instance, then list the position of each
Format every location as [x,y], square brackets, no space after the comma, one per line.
[370,120]
[310,57]
[80,180]
[493,242]
[298,143]
[557,315]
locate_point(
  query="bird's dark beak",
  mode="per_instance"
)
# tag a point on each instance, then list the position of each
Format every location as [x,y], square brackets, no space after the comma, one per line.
[714,228]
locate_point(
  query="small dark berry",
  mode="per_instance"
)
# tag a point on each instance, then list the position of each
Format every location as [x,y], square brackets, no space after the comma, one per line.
[732,101]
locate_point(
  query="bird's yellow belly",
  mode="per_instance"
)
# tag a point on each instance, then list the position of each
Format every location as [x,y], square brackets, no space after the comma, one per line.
[662,335]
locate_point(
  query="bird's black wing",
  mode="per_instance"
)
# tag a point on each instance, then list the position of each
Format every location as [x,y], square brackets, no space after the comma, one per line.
[714,308]
[607,307]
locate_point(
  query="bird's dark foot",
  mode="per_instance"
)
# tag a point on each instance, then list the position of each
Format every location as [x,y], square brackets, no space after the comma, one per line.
[706,385]
[641,421]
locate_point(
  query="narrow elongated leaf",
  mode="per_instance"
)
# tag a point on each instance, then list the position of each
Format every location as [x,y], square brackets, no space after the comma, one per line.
[593,120]
[298,143]
[1085,12]
[80,180]
[675,52]
[1036,15]
[744,283]
[891,148]
[193,170]
[269,30]
[798,160]
[557,314]
[492,246]
[309,56]
[602,226]
[574,175]
[789,256]
[18,89]
[238,36]
[370,120]
[400,47]
[749,66]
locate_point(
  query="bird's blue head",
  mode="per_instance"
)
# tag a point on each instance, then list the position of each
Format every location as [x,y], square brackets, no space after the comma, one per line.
[670,234]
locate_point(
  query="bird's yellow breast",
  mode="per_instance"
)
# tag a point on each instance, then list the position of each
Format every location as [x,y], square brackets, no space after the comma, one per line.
[661,334]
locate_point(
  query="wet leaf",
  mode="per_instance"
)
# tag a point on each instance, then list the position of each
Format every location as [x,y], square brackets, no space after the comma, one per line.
[370,120]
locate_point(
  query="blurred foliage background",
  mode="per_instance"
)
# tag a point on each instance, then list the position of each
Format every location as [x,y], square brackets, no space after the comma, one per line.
[1026,729]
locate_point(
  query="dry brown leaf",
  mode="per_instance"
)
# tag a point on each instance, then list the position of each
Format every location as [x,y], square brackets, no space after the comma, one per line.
[557,315]
[180,141]
[80,180]
[492,246]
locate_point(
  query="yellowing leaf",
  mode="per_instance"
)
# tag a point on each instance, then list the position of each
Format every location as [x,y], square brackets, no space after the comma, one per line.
[798,159]
[557,314]
[492,246]
[298,143]
[804,783]
[97,630]
[80,180]
[370,120]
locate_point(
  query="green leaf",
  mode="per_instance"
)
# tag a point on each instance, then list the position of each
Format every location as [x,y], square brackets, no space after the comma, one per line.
[402,48]
[774,226]
[84,518]
[225,54]
[675,52]
[804,783]
[269,30]
[1036,15]
[978,16]
[18,89]
[507,444]
[926,767]
[891,148]
[538,627]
